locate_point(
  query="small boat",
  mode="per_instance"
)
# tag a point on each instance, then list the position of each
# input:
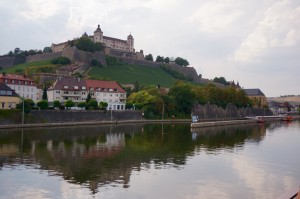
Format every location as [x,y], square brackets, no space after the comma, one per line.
[287,118]
[260,119]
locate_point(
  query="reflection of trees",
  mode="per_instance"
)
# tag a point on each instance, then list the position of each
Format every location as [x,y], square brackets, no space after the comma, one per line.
[94,156]
[212,138]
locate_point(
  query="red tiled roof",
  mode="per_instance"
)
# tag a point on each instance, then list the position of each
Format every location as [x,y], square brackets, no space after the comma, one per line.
[10,77]
[104,84]
[70,82]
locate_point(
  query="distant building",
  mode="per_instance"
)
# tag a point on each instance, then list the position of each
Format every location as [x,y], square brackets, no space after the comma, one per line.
[22,85]
[76,89]
[8,97]
[110,42]
[257,97]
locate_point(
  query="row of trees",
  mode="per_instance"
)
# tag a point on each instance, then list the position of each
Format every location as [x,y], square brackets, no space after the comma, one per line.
[17,52]
[181,98]
[180,61]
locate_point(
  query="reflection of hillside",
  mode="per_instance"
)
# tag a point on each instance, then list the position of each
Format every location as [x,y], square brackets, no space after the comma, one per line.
[99,155]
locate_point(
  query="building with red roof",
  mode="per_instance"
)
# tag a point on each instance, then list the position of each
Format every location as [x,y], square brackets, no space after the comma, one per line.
[77,89]
[22,85]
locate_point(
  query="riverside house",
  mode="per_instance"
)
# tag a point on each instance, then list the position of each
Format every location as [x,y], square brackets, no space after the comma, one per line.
[77,89]
[8,97]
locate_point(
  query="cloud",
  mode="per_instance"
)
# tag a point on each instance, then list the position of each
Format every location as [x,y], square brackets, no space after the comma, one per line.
[215,16]
[280,27]
[41,9]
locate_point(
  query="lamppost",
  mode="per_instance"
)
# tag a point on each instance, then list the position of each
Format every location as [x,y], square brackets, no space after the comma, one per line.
[163,112]
[23,110]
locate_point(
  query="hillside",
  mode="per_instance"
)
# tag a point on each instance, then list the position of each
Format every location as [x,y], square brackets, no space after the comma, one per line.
[131,73]
[125,73]
[31,67]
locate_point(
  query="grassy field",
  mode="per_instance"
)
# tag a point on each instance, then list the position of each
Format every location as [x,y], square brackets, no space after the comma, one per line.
[31,67]
[131,73]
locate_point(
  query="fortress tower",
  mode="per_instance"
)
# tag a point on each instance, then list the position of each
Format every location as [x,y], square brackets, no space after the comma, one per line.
[130,42]
[98,35]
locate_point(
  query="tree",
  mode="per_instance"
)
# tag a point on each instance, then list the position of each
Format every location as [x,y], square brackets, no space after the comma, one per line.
[184,97]
[61,60]
[103,105]
[69,103]
[10,54]
[43,104]
[88,98]
[92,104]
[182,62]
[45,96]
[167,60]
[149,57]
[56,104]
[28,104]
[159,59]
[47,50]
[136,87]
[221,80]
[31,52]
[85,44]
[82,104]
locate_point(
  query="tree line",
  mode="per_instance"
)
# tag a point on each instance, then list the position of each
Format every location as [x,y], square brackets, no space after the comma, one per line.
[160,59]
[181,97]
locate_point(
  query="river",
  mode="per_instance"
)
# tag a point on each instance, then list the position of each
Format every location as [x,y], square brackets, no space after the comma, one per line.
[150,161]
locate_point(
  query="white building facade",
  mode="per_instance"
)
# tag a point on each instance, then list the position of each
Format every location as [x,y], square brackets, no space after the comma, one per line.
[76,89]
[22,85]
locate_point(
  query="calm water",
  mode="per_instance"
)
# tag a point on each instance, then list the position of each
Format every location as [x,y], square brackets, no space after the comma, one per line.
[150,161]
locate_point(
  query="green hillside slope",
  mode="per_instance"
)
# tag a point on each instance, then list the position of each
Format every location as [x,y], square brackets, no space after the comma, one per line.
[31,67]
[131,73]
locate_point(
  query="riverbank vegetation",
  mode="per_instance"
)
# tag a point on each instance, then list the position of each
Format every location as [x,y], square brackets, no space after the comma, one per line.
[179,101]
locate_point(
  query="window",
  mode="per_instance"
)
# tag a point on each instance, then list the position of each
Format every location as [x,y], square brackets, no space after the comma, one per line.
[13,81]
[83,88]
[66,87]
[5,80]
[75,87]
[26,82]
[9,92]
[3,104]
[58,92]
[2,92]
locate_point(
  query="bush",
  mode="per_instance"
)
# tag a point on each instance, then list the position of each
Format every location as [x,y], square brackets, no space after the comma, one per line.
[94,62]
[82,104]
[111,60]
[92,104]
[43,104]
[61,60]
[69,103]
[56,104]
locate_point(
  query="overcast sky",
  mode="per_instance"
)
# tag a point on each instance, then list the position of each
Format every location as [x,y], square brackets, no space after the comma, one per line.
[255,42]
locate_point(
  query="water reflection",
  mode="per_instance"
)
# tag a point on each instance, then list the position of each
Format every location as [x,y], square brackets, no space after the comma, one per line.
[98,156]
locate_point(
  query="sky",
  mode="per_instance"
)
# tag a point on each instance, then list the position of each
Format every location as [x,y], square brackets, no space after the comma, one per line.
[254,42]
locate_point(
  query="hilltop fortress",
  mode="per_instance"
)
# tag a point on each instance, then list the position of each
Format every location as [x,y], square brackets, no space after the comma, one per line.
[112,46]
